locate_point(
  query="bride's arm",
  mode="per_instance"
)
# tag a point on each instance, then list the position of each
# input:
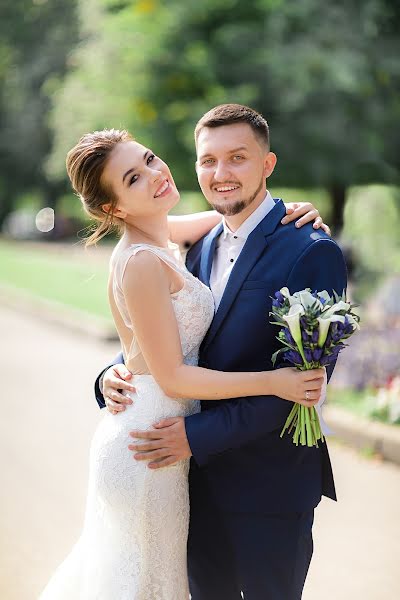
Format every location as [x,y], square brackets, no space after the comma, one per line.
[146,287]
[186,230]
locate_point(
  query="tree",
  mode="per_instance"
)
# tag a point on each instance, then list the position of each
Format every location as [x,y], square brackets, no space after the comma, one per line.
[36,38]
[107,82]
[326,76]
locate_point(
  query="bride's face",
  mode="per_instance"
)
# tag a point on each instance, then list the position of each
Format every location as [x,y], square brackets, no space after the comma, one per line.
[141,181]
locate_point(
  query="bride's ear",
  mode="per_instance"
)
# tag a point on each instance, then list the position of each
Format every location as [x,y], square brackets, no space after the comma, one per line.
[107,209]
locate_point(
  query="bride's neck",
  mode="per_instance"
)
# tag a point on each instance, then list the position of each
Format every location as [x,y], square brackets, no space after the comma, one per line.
[147,231]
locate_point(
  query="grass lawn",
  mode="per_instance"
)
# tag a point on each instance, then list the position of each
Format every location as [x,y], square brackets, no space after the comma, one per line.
[362,403]
[44,271]
[350,400]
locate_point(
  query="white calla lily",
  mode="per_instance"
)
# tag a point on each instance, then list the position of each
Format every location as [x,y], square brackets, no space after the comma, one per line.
[293,320]
[307,300]
[292,299]
[353,322]
[324,321]
[324,295]
[331,310]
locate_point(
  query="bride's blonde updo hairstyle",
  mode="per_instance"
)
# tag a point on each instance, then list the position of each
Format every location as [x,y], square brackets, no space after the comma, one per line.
[85,165]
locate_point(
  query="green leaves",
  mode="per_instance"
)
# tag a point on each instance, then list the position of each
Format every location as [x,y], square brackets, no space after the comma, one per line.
[328,88]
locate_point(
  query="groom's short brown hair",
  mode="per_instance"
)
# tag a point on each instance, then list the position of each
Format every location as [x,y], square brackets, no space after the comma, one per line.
[229,114]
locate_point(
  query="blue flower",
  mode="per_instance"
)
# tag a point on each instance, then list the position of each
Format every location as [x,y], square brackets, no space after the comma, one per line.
[293,357]
[308,355]
[315,336]
[326,360]
[304,335]
[347,327]
[337,331]
[288,335]
[317,353]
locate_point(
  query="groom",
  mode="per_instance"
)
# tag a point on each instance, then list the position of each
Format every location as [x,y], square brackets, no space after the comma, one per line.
[252,494]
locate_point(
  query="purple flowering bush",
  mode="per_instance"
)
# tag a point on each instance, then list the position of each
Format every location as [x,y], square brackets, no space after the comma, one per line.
[373,362]
[363,378]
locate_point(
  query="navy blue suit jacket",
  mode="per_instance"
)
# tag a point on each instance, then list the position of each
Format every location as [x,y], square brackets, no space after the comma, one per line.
[238,456]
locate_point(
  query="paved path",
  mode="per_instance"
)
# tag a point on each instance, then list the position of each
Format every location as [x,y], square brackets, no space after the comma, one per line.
[47,417]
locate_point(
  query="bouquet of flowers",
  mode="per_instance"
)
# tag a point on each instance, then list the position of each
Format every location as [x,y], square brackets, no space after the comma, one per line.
[314,326]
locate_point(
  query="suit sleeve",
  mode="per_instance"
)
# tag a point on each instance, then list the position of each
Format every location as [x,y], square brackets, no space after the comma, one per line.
[237,422]
[119,359]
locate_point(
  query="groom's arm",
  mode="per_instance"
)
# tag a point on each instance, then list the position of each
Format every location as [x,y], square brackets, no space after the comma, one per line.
[235,423]
[98,387]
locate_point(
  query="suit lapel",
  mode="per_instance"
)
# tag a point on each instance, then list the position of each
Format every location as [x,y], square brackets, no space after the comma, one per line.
[255,246]
[207,253]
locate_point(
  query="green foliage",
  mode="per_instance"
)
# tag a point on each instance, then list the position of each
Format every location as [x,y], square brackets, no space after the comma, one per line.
[363,403]
[35,37]
[326,76]
[106,83]
[372,223]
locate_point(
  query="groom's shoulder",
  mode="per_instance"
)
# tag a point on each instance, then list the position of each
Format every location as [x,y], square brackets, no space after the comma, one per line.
[307,238]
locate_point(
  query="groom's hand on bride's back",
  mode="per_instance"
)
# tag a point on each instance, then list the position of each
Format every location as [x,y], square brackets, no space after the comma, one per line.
[114,381]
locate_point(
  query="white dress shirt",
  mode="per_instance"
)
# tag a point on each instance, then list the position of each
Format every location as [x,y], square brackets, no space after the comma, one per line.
[229,245]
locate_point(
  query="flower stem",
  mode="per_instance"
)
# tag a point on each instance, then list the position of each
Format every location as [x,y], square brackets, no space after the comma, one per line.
[310,435]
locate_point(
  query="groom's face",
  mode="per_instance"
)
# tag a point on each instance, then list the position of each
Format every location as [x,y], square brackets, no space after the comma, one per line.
[232,166]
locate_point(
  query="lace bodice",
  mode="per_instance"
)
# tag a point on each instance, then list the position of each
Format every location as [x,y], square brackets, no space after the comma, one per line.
[193,305]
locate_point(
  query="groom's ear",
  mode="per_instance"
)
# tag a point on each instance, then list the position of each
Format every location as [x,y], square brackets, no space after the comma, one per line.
[269,163]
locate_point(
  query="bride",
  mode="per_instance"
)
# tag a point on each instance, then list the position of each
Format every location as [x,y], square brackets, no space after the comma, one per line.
[133,544]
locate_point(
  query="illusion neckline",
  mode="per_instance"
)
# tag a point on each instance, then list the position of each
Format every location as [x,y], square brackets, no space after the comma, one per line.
[172,245]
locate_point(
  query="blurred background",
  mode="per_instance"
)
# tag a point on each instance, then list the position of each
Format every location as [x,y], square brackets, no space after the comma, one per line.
[327,78]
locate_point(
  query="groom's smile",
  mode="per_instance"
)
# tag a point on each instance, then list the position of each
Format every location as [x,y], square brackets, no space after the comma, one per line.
[226,190]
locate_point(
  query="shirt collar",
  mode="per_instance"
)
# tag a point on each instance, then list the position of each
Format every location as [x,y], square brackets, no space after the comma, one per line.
[243,232]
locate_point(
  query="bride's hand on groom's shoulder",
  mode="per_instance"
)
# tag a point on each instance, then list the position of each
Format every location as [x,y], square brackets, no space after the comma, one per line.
[302,213]
[115,380]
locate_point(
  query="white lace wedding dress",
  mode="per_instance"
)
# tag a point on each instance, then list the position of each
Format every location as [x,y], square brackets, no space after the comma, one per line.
[133,544]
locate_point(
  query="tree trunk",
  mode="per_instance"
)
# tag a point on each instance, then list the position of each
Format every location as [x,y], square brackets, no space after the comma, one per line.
[6,205]
[50,193]
[337,193]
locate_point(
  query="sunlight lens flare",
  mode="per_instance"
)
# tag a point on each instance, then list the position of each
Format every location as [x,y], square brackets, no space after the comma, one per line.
[45,220]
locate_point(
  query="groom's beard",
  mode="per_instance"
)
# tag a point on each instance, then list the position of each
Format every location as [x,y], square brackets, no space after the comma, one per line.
[228,210]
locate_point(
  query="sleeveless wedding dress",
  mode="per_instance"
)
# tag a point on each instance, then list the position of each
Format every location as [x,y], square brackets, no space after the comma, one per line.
[133,544]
